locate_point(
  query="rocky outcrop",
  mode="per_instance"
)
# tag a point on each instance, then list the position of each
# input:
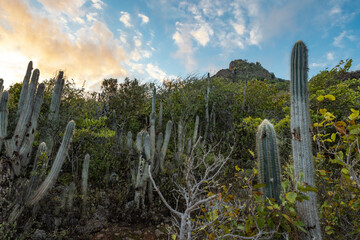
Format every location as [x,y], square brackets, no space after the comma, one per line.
[241,69]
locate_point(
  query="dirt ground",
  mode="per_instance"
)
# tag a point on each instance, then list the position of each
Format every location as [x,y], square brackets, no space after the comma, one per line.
[125,231]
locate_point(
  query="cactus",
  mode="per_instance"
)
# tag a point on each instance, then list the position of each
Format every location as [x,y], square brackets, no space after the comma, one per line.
[301,138]
[84,182]
[268,160]
[56,167]
[19,146]
[53,116]
[149,148]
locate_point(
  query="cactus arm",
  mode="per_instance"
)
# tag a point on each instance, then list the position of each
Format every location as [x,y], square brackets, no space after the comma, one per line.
[24,89]
[153,103]
[84,181]
[53,116]
[56,98]
[56,167]
[1,86]
[301,141]
[24,120]
[4,115]
[196,129]
[129,140]
[165,144]
[180,143]
[37,173]
[152,136]
[26,147]
[160,116]
[139,142]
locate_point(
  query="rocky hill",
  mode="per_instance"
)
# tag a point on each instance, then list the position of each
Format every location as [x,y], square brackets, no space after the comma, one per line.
[240,70]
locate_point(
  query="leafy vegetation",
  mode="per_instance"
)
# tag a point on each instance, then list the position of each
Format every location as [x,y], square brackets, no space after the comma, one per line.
[229,111]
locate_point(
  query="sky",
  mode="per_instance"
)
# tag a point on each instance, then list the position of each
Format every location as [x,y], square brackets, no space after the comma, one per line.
[156,40]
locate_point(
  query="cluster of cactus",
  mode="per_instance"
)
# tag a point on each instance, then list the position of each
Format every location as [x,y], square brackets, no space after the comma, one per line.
[268,156]
[149,148]
[18,147]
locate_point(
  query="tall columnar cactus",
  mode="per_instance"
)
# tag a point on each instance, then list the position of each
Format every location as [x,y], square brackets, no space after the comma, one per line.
[268,160]
[84,182]
[301,138]
[53,116]
[56,167]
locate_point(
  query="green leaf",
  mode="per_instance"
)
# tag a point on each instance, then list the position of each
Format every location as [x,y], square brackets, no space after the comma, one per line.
[288,218]
[291,196]
[300,225]
[355,131]
[260,185]
[333,137]
[345,171]
[260,222]
[173,237]
[251,152]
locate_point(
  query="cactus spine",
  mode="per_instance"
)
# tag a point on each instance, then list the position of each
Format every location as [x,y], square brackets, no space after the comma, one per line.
[301,140]
[268,160]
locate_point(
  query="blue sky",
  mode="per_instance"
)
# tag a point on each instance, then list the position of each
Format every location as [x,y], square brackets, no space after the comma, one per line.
[161,39]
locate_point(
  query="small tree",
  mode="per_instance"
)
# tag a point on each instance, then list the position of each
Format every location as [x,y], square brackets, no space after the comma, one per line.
[200,173]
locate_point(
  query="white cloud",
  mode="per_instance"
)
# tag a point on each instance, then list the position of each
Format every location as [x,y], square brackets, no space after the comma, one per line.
[239,28]
[255,36]
[156,73]
[125,19]
[79,20]
[330,56]
[335,10]
[338,40]
[91,16]
[144,18]
[98,4]
[71,8]
[185,52]
[202,34]
[90,52]
[316,65]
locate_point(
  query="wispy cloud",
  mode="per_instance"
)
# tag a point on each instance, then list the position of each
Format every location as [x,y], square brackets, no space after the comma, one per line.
[98,4]
[144,18]
[156,73]
[185,52]
[202,34]
[317,65]
[339,40]
[330,56]
[88,54]
[125,19]
[71,8]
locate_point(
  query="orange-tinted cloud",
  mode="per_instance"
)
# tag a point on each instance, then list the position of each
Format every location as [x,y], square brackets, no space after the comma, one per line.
[91,53]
